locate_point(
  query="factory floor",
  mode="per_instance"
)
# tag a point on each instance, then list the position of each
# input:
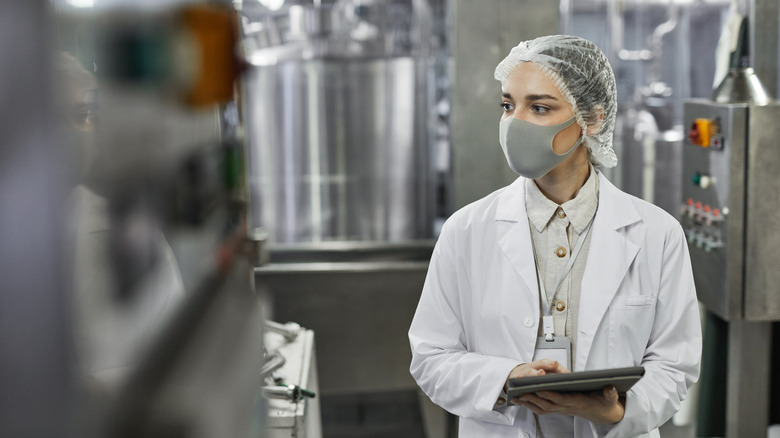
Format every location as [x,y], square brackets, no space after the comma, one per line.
[399,414]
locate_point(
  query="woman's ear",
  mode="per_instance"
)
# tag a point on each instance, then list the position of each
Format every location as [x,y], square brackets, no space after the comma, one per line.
[598,119]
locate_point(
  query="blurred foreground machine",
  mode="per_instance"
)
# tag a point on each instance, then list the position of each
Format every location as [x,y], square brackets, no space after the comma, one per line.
[730,187]
[168,331]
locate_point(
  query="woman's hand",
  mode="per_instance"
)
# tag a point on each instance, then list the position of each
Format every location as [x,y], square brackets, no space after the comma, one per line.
[603,408]
[535,368]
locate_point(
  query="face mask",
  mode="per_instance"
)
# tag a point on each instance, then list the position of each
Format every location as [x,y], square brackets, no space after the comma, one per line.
[528,147]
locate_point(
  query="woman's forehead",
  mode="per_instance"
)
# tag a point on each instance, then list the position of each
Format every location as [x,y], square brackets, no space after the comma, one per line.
[527,78]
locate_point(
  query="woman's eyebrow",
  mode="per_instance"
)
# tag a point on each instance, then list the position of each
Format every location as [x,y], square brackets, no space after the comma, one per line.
[506,96]
[532,97]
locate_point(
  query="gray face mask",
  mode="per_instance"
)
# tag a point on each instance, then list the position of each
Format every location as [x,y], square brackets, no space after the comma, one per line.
[528,147]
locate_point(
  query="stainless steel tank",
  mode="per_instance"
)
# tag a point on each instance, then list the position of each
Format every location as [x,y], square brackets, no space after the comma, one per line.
[339,141]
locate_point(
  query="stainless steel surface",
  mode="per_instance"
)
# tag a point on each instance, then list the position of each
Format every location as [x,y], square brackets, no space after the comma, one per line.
[484,33]
[37,364]
[340,120]
[739,281]
[204,374]
[360,311]
[299,418]
[762,276]
[419,250]
[748,381]
[741,86]
[764,42]
[718,273]
[339,150]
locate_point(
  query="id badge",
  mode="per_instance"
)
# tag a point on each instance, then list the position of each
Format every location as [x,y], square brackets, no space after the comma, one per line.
[558,349]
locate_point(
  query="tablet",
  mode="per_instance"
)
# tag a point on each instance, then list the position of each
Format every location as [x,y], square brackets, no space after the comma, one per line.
[584,381]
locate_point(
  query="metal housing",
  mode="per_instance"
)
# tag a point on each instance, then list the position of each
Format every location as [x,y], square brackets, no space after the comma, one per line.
[737,280]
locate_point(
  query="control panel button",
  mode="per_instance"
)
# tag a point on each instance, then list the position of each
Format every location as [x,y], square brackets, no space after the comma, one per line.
[703,132]
[717,142]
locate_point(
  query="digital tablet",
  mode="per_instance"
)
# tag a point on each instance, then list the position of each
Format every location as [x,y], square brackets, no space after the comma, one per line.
[584,381]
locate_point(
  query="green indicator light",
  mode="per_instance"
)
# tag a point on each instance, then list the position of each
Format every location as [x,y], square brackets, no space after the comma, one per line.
[696,178]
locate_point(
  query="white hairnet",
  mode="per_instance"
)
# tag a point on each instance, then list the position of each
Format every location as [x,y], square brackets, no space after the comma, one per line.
[584,77]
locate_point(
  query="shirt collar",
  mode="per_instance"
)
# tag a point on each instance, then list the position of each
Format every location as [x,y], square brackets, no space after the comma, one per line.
[579,210]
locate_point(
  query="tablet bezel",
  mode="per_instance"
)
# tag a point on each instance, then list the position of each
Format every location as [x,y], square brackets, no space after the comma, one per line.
[584,381]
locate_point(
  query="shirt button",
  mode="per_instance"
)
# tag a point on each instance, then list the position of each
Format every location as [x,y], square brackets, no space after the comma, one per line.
[528,322]
[560,252]
[525,435]
[560,213]
[560,306]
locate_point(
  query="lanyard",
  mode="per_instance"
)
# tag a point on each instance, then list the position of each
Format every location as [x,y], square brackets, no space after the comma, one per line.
[547,319]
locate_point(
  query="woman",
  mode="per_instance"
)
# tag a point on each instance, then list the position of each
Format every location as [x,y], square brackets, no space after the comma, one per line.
[563,255]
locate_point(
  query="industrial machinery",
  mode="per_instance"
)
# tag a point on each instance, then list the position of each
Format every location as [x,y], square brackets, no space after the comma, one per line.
[730,191]
[157,222]
[338,106]
[340,142]
[730,186]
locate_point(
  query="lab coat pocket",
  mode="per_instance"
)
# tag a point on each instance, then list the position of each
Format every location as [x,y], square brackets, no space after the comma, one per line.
[630,323]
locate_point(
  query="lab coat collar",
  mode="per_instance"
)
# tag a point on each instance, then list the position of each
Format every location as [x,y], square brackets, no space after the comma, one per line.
[620,212]
[516,243]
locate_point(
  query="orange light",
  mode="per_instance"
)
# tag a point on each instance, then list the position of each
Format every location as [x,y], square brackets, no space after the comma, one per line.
[703,126]
[214,31]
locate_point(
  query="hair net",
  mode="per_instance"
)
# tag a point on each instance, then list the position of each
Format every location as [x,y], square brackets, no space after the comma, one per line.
[584,77]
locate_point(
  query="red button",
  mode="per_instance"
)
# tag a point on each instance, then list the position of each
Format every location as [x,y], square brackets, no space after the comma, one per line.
[706,208]
[716,212]
[689,201]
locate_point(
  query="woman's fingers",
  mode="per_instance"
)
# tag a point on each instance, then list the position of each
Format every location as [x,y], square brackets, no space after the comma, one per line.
[535,409]
[610,395]
[552,366]
[545,405]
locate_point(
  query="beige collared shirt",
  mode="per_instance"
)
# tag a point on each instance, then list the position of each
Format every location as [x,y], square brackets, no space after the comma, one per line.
[555,230]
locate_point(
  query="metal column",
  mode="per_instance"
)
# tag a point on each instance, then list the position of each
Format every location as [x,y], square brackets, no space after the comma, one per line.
[485,32]
[34,326]
[748,386]
[764,21]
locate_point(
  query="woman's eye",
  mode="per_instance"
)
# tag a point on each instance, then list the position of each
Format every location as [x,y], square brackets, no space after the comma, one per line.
[507,106]
[538,109]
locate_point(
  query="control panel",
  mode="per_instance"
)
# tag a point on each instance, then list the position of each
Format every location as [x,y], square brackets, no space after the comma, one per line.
[713,192]
[729,213]
[705,230]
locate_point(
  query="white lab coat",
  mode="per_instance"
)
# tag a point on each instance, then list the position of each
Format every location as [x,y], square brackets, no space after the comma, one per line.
[479,312]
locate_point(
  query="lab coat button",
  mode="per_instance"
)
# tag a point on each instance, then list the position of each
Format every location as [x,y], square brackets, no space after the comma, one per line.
[560,252]
[560,213]
[560,306]
[525,435]
[528,322]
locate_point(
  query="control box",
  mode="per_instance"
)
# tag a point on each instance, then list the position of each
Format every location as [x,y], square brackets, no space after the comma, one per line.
[731,196]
